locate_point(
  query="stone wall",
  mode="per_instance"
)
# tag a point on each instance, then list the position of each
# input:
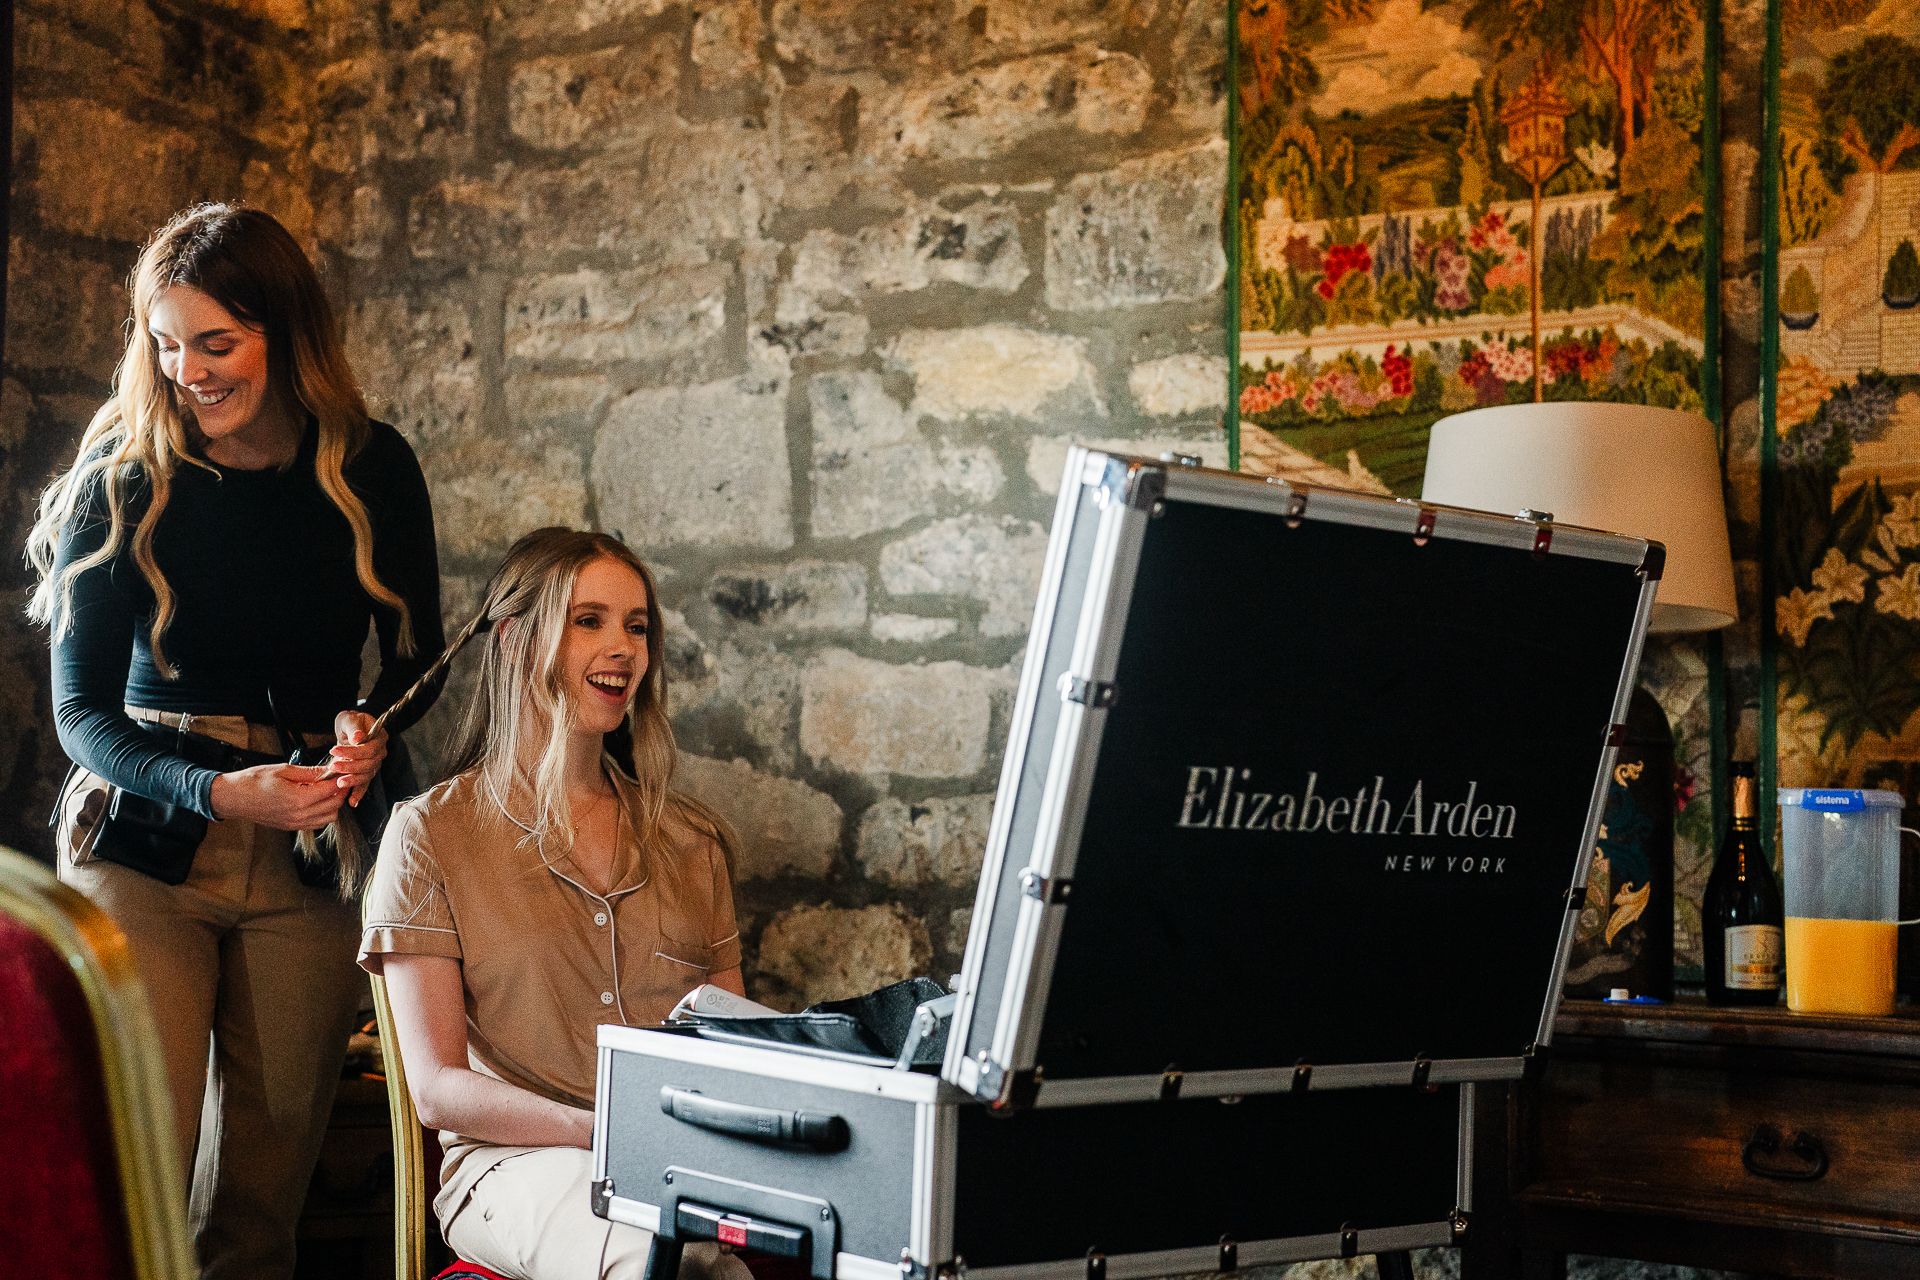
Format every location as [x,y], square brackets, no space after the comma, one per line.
[802,298]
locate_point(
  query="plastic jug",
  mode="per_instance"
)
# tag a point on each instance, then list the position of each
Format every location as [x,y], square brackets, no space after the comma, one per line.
[1841,874]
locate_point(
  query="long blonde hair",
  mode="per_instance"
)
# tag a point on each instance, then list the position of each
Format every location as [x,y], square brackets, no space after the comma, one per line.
[523,694]
[244,260]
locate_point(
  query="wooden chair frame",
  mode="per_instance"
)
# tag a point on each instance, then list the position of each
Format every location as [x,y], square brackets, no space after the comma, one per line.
[411,1204]
[151,1174]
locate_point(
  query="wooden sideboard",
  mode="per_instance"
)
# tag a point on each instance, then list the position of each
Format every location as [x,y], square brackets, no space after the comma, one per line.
[1741,1139]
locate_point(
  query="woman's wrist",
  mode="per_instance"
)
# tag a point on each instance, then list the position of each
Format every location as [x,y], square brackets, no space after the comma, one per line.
[219,796]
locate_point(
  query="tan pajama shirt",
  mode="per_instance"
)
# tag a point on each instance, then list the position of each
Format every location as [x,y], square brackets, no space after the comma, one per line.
[545,962]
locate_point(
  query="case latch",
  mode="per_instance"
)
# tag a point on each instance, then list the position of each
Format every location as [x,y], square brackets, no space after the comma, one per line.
[1423,526]
[1229,1255]
[1046,889]
[1349,1240]
[1098,694]
[1170,1082]
[1422,1068]
[1302,1076]
[1459,1221]
[1096,1265]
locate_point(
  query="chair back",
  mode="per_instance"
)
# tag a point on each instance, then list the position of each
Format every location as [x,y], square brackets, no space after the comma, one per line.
[412,1201]
[93,1189]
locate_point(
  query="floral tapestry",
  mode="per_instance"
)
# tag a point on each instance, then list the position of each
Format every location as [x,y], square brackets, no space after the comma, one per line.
[1845,492]
[1401,164]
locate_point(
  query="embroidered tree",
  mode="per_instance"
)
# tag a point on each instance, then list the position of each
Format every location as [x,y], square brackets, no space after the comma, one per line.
[1615,41]
[1871,102]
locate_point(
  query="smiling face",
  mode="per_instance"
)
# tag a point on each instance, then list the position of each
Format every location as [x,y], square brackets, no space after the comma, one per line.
[219,367]
[603,656]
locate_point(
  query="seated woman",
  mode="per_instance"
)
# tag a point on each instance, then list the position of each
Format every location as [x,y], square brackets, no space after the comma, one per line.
[553,883]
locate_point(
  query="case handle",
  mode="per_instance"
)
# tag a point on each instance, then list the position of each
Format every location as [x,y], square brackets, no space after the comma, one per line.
[758,1124]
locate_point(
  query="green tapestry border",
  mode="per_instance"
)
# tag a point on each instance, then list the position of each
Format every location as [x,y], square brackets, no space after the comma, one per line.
[1768,763]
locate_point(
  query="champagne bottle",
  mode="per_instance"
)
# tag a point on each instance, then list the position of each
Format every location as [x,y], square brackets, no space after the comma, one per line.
[1742,915]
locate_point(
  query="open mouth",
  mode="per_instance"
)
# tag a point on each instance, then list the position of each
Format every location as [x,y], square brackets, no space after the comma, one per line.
[612,684]
[207,399]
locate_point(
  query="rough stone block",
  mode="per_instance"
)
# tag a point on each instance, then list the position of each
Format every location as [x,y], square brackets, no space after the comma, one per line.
[368,224]
[1200,62]
[995,561]
[816,333]
[977,246]
[959,925]
[543,19]
[607,98]
[994,369]
[485,497]
[911,628]
[1179,384]
[726,42]
[927,842]
[853,35]
[418,368]
[399,106]
[660,201]
[627,315]
[872,717]
[690,664]
[805,595]
[546,406]
[980,114]
[157,170]
[872,468]
[785,827]
[63,312]
[702,465]
[1144,231]
[811,954]
[282,194]
[1047,455]
[1018,25]
[819,124]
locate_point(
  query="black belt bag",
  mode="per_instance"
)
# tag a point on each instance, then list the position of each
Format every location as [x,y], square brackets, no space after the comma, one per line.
[159,839]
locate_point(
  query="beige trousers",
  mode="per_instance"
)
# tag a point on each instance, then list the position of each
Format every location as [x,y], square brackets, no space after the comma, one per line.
[527,1214]
[245,956]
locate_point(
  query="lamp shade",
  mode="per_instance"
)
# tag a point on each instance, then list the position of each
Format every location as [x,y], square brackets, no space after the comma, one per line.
[1626,468]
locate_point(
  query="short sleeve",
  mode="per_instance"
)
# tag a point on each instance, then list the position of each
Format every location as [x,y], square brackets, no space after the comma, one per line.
[722,931]
[407,912]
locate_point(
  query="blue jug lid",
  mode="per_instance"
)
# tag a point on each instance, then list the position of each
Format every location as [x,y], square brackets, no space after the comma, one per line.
[1830,801]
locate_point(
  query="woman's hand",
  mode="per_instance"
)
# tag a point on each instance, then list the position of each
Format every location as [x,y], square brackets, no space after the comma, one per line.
[286,797]
[356,757]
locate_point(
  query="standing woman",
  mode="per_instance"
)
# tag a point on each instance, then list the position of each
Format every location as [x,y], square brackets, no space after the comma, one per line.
[208,568]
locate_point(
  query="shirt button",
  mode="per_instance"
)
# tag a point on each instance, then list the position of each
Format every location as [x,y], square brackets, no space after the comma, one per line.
[599,917]
[606,997]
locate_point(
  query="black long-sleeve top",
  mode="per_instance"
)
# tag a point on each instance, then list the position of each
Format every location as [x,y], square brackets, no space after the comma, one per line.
[261,566]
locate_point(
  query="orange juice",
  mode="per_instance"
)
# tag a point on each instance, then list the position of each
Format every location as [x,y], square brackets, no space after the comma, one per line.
[1840,966]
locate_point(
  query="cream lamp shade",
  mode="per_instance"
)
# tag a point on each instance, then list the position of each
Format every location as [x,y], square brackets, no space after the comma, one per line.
[1626,468]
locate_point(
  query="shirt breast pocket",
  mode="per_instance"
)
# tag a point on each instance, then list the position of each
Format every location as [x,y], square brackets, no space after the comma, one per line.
[685,961]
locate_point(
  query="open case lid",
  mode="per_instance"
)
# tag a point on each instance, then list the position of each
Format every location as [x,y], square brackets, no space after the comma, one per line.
[1300,790]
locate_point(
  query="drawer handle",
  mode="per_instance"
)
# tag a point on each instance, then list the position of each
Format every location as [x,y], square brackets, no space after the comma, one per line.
[1766,1141]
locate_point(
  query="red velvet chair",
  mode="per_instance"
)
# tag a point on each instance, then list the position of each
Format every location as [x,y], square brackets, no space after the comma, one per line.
[93,1185]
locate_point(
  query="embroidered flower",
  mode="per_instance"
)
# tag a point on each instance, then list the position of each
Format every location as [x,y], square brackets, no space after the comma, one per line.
[1901,596]
[1903,522]
[1840,579]
[1795,614]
